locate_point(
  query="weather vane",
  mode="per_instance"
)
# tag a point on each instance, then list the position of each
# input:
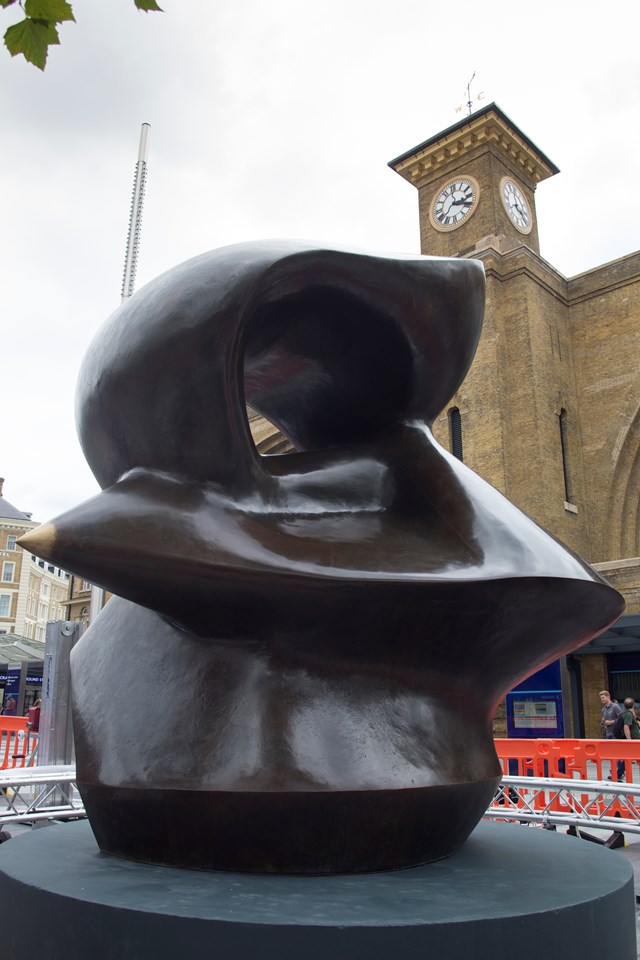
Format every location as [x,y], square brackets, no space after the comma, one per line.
[470,99]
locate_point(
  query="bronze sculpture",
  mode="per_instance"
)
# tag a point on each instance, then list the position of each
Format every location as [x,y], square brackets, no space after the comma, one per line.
[300,667]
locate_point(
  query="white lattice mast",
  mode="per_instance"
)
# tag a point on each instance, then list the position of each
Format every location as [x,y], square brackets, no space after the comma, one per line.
[135,219]
[128,281]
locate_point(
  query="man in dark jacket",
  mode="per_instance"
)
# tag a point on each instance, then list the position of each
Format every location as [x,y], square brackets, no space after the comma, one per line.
[610,711]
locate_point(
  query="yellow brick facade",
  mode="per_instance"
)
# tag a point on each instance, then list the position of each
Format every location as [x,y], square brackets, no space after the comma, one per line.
[550,409]
[551,347]
[32,591]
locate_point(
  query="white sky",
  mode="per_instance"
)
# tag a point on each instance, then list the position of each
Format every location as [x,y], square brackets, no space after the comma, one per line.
[272,119]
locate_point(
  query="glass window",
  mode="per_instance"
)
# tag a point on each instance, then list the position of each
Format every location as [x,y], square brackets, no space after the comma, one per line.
[11,542]
[5,604]
[455,432]
[565,456]
[8,570]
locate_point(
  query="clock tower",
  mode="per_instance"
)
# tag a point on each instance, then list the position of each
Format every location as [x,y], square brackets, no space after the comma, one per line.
[549,412]
[518,406]
[476,180]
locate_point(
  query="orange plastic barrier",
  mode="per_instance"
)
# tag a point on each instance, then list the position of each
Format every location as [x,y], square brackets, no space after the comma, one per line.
[15,742]
[575,760]
[584,759]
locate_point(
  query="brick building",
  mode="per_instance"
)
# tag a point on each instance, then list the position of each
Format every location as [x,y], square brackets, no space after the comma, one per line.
[78,601]
[549,413]
[32,591]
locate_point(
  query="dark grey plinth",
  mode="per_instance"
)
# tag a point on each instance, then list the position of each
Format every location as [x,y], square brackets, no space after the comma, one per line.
[511,891]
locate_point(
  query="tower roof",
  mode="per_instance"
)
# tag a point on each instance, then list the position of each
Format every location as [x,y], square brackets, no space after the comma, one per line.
[488,125]
[8,511]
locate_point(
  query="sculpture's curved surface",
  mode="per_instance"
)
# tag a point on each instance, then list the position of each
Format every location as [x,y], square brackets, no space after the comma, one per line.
[301,666]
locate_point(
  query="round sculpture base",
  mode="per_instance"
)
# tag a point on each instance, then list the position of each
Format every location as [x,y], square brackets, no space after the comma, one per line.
[510,889]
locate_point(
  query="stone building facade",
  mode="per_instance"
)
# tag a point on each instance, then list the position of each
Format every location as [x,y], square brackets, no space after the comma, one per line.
[78,601]
[32,591]
[549,412]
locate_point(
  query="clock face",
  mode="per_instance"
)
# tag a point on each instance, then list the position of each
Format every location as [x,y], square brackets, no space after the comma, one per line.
[515,204]
[455,203]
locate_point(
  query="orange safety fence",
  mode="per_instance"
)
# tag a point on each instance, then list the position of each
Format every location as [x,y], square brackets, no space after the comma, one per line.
[573,760]
[17,745]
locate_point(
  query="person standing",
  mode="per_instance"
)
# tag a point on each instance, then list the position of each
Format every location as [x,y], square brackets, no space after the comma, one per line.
[610,711]
[630,721]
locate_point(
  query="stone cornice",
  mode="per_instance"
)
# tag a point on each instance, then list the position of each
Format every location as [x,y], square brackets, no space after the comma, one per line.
[504,260]
[630,563]
[605,278]
[487,127]
[13,523]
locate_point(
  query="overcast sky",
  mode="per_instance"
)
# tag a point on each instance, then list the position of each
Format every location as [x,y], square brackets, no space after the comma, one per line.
[272,118]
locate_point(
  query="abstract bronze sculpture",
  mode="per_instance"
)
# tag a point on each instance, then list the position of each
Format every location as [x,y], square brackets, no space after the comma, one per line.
[300,668]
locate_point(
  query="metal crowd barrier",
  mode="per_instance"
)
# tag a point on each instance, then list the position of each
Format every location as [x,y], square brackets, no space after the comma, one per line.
[558,801]
[569,782]
[50,793]
[582,759]
[39,793]
[546,782]
[18,746]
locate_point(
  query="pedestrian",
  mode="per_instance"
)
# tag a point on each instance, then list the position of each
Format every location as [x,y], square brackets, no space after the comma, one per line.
[630,721]
[34,717]
[610,711]
[10,706]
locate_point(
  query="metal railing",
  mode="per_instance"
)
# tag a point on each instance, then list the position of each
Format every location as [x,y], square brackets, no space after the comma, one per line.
[553,802]
[39,793]
[44,793]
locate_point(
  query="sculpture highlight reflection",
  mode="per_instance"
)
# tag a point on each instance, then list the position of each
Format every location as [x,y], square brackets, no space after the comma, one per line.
[301,665]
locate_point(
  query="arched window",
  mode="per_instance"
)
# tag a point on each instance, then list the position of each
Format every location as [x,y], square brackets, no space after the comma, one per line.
[562,420]
[455,432]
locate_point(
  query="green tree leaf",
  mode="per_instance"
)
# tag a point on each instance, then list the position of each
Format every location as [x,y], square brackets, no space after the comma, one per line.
[55,11]
[31,38]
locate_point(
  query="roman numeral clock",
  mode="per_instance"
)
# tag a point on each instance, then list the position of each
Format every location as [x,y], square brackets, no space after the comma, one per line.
[456,202]
[476,183]
[516,205]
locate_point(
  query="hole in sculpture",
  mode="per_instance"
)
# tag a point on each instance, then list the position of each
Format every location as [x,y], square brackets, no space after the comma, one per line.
[322,369]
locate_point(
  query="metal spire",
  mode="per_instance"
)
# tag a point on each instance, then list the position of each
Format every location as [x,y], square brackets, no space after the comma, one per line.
[135,218]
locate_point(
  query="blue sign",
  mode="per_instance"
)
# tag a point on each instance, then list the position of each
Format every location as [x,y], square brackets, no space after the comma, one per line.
[31,678]
[12,689]
[534,707]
